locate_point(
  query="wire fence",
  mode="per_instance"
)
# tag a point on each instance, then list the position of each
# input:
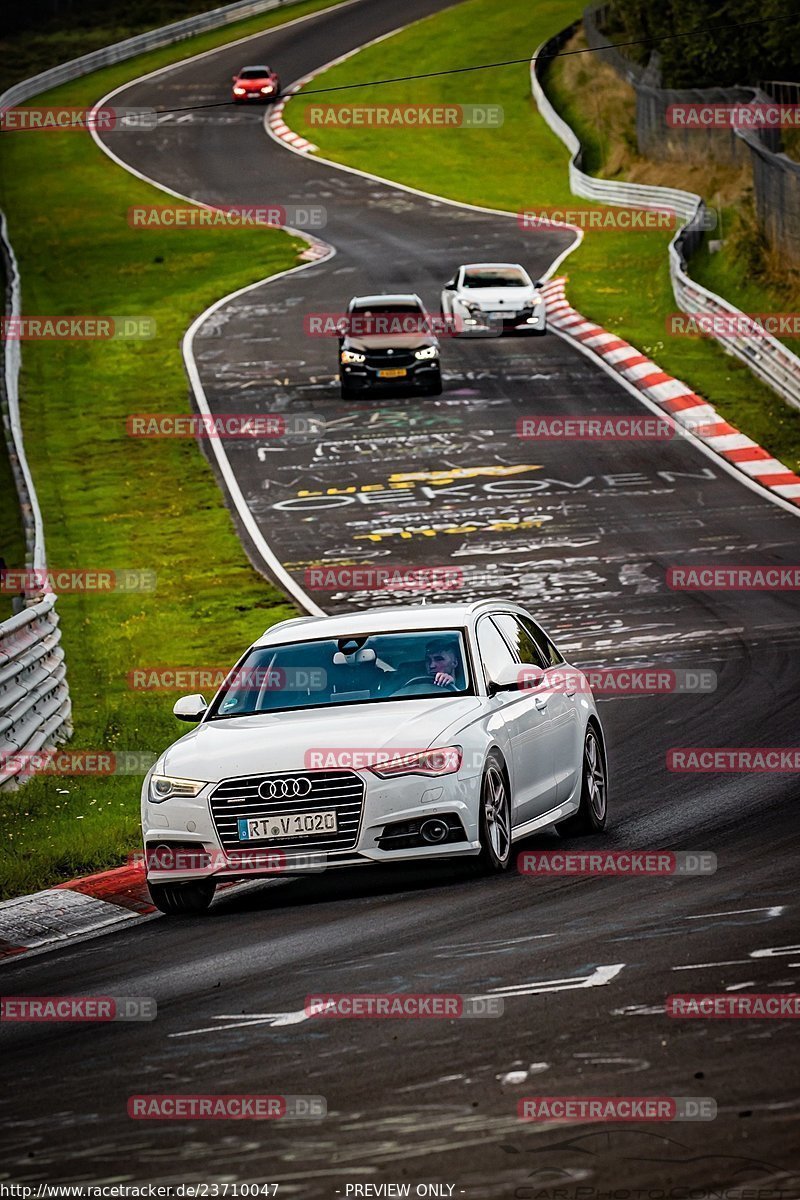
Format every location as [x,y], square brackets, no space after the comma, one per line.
[776,177]
[766,357]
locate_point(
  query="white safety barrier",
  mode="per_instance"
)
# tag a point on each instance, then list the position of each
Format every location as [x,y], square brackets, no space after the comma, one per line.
[35,707]
[766,357]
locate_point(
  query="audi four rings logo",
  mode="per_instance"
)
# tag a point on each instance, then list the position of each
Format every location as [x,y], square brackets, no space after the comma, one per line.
[284,789]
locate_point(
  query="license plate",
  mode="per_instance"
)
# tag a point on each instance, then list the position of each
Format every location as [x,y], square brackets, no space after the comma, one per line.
[395,373]
[499,316]
[286,825]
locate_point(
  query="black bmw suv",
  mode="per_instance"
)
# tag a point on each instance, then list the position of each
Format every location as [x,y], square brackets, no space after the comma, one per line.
[388,342]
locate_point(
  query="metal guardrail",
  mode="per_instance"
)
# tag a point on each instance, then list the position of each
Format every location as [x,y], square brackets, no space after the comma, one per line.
[35,706]
[153,39]
[766,357]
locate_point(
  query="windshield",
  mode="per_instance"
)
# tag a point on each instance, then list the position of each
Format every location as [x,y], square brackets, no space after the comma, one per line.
[364,669]
[255,73]
[494,277]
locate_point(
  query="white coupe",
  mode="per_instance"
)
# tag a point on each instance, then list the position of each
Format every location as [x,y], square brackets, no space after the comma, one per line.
[493,297]
[421,732]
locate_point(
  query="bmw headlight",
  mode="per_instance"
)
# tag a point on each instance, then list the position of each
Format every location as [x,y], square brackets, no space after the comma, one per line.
[352,356]
[165,787]
[427,352]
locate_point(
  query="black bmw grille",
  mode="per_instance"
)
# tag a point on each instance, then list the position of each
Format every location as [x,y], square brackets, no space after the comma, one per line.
[397,358]
[300,792]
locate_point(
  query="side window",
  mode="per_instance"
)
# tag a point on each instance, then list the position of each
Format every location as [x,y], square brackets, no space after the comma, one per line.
[550,655]
[526,648]
[494,651]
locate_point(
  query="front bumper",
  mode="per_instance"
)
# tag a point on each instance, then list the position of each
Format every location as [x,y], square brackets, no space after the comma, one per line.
[248,96]
[188,825]
[366,377]
[479,321]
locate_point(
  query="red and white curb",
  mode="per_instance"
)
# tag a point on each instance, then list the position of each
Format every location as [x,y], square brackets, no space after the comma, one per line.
[278,127]
[274,122]
[685,407]
[69,910]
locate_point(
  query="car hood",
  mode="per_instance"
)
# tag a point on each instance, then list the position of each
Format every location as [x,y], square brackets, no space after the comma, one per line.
[253,83]
[274,742]
[396,341]
[501,297]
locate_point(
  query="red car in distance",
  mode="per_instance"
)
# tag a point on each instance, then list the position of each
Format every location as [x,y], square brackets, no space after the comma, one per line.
[256,83]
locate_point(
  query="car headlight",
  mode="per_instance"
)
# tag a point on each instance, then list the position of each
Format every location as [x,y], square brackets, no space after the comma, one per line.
[427,352]
[352,356]
[265,90]
[165,787]
[445,761]
[240,91]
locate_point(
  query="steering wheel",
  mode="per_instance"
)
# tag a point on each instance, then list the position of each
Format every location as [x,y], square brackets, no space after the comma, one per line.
[451,687]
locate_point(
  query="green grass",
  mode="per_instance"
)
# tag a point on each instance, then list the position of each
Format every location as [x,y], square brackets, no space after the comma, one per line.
[109,500]
[82,29]
[616,278]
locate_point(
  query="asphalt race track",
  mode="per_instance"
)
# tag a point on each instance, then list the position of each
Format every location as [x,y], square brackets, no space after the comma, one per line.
[583,535]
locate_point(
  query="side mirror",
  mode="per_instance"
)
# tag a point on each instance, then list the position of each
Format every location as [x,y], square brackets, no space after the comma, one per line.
[530,676]
[190,708]
[507,680]
[451,286]
[234,78]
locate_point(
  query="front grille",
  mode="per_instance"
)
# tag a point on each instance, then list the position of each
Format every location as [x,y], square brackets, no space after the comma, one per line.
[382,359]
[342,791]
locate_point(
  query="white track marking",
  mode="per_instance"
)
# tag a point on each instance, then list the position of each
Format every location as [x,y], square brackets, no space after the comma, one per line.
[599,977]
[405,187]
[271,560]
[598,360]
[774,911]
[731,962]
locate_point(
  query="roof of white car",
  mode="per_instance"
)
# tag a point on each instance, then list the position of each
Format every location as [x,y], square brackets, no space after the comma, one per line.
[378,620]
[473,266]
[389,298]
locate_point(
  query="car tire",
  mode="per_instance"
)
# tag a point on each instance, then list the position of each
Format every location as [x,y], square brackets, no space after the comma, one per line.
[495,836]
[183,899]
[434,389]
[592,814]
[347,393]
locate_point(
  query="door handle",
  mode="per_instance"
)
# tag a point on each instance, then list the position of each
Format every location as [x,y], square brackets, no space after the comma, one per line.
[541,703]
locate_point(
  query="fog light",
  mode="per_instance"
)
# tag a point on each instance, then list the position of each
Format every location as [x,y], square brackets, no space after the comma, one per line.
[434,830]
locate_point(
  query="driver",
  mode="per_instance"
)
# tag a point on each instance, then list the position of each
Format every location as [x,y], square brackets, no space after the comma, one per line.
[442,662]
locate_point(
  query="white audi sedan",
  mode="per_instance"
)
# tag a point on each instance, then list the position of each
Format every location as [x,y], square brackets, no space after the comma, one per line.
[493,298]
[419,732]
